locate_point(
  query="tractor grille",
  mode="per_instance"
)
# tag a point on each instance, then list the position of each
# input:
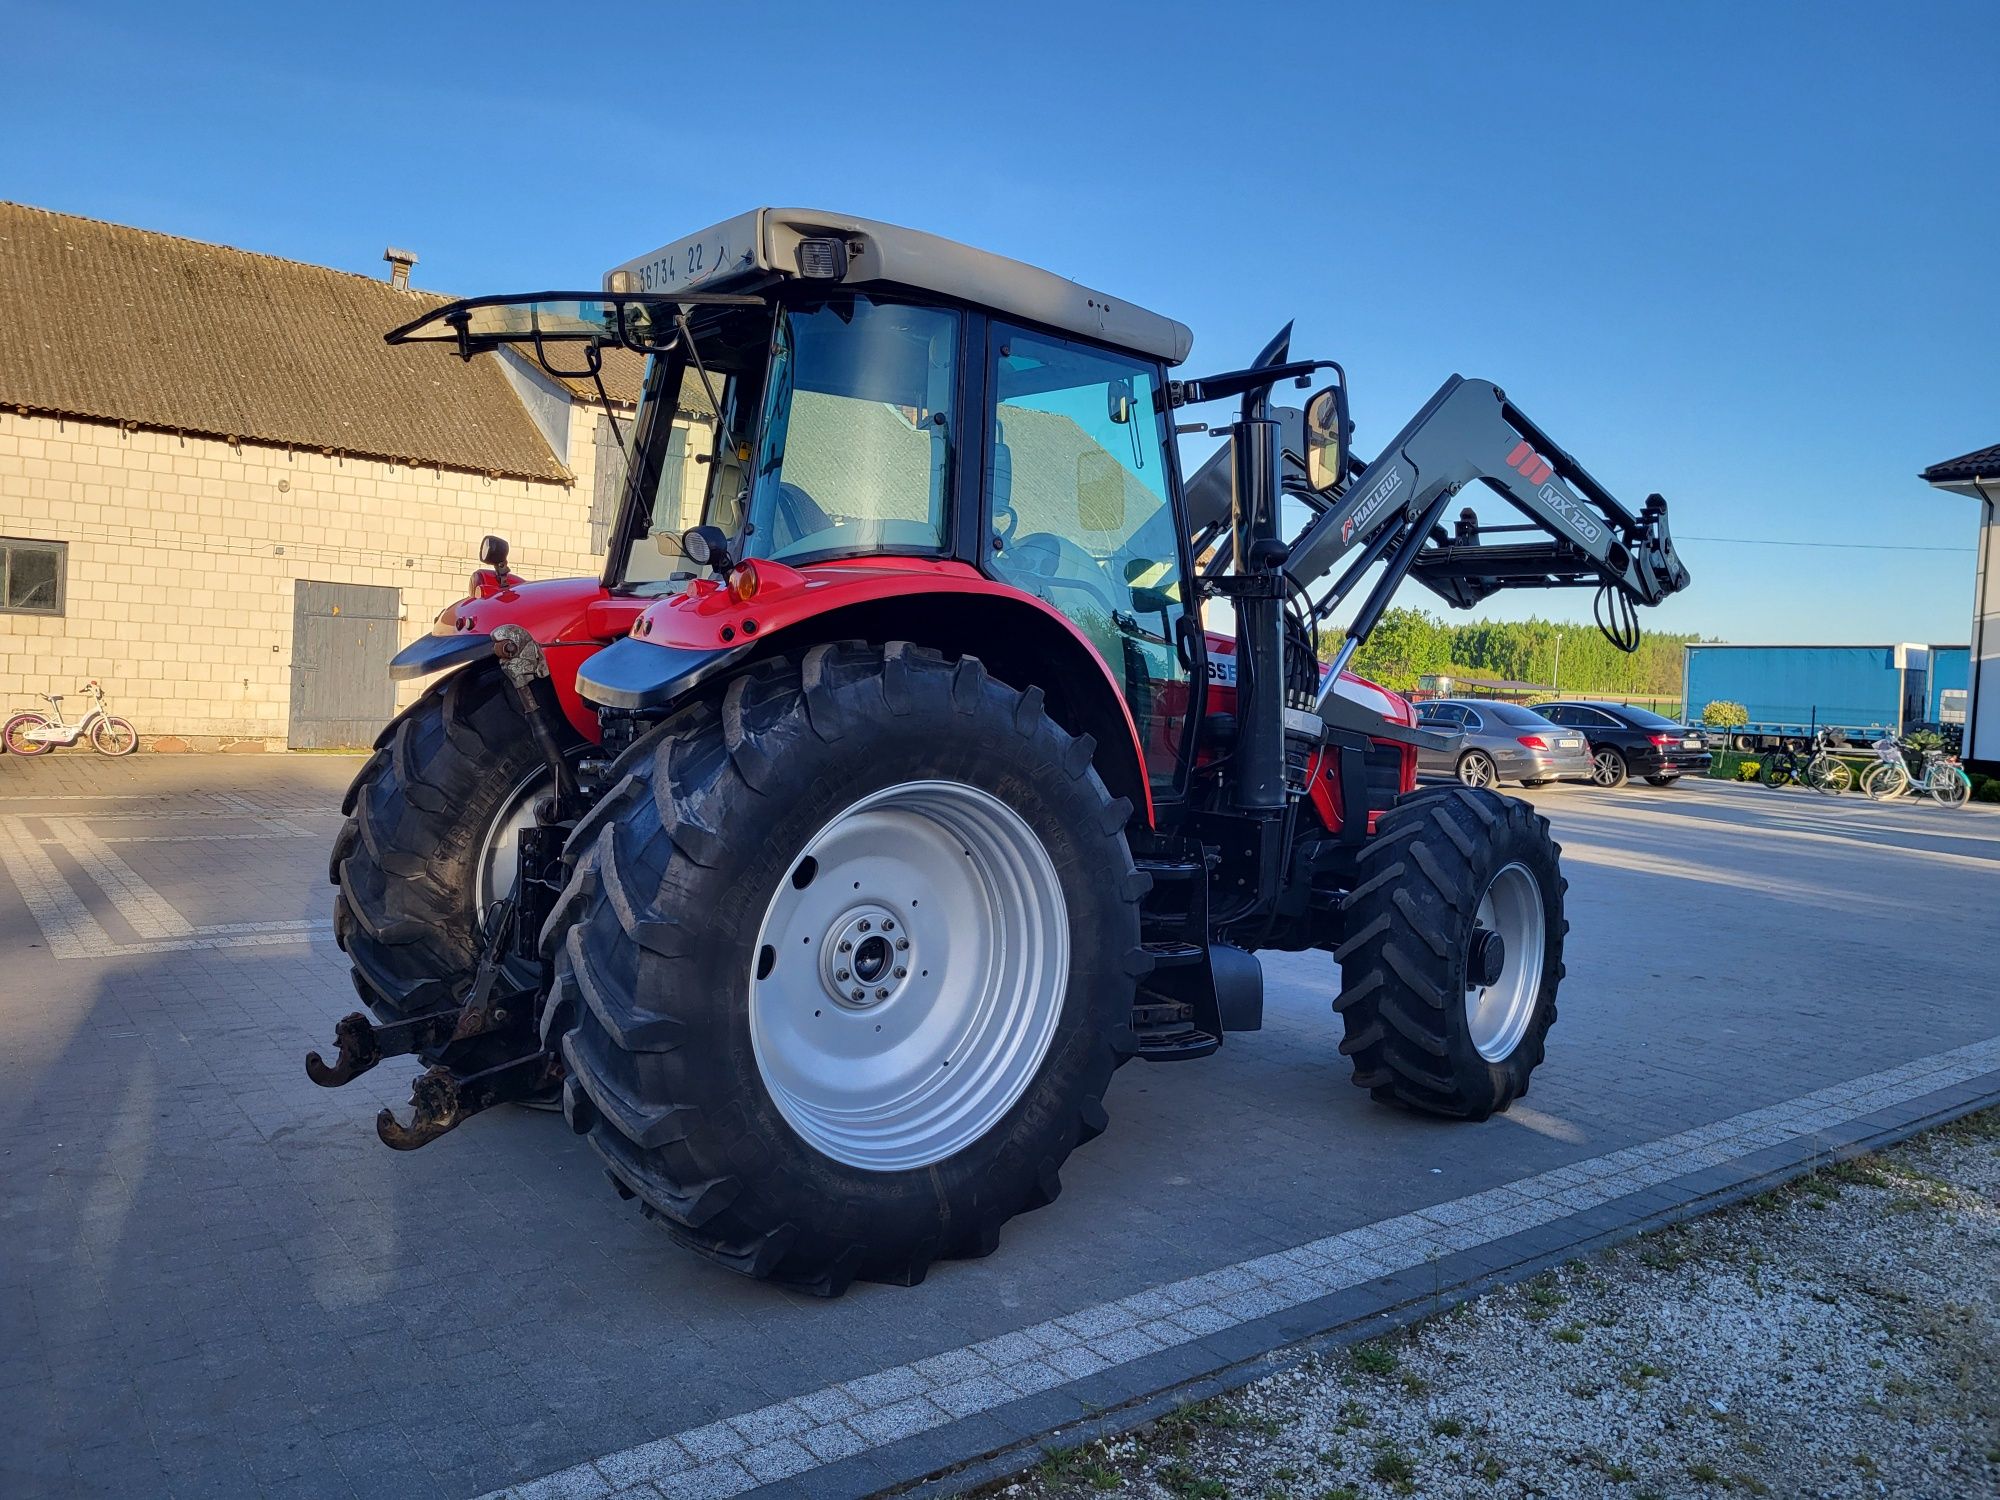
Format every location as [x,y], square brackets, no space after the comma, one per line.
[1382,773]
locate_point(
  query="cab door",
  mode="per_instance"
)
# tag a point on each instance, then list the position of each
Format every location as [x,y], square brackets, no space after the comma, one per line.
[1081,491]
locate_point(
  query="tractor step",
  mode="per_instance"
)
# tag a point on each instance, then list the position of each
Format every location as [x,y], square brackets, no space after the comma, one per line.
[1167,1031]
[1173,954]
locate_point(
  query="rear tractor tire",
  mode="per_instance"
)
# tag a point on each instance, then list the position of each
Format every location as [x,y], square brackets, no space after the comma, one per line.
[429,842]
[845,964]
[1454,952]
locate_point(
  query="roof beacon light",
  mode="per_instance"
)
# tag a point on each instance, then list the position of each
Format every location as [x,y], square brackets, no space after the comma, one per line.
[823,259]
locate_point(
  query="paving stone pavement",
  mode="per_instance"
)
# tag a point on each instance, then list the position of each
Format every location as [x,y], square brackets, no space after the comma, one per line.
[218,1282]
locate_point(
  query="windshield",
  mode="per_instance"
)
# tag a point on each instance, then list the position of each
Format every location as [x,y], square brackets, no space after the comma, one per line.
[690,442]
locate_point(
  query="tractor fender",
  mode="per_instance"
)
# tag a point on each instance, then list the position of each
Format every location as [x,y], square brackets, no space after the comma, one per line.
[686,639]
[570,618]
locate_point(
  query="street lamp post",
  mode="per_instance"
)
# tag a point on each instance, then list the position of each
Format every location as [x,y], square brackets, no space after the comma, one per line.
[1556,677]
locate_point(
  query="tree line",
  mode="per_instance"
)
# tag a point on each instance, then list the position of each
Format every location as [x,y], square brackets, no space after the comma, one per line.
[1408,643]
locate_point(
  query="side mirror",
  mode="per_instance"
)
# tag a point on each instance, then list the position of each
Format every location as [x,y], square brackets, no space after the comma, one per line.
[1118,402]
[1326,438]
[493,552]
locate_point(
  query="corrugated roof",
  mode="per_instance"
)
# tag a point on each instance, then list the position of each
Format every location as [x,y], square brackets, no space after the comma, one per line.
[1982,463]
[128,325]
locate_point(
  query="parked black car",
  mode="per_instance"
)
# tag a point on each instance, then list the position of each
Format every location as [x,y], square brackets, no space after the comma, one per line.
[1627,742]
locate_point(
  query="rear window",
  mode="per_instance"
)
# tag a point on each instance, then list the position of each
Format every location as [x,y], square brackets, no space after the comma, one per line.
[1645,718]
[1514,714]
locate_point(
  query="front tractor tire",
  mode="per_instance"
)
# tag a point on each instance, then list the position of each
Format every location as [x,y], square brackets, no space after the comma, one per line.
[845,964]
[1437,1016]
[429,841]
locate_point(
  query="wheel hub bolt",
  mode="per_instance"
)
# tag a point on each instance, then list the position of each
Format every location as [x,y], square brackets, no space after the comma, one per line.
[861,994]
[841,975]
[902,973]
[902,943]
[881,994]
[863,925]
[845,946]
[887,925]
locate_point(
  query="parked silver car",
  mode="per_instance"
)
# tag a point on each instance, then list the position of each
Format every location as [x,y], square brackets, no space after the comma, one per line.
[1500,742]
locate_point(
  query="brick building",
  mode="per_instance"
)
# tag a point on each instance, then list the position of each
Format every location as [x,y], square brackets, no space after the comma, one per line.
[222,495]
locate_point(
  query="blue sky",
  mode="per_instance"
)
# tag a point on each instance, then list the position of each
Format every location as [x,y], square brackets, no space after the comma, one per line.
[1747,255]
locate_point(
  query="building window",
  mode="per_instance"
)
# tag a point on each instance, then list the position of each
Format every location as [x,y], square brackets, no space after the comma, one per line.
[31,576]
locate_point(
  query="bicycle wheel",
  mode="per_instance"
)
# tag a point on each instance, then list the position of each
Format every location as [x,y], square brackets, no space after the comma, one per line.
[1951,786]
[15,735]
[112,735]
[1828,775]
[1882,781]
[1776,770]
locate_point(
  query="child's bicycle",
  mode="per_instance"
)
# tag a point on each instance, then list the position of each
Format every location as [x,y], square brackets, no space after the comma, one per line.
[38,733]
[1941,778]
[1823,771]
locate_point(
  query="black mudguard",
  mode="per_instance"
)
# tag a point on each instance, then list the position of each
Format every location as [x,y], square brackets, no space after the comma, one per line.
[435,653]
[636,674]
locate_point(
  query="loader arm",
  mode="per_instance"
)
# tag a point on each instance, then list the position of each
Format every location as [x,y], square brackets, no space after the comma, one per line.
[1393,511]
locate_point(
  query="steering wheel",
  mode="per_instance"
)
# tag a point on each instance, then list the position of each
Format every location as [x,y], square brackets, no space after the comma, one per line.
[798,513]
[1058,561]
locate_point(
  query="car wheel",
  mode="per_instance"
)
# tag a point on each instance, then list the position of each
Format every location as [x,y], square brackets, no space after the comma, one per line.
[1607,768]
[1476,768]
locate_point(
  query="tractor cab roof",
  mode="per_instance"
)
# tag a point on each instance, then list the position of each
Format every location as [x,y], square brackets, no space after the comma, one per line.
[813,245]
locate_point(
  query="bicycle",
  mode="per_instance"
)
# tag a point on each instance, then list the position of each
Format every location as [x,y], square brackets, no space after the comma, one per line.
[1940,777]
[34,733]
[1823,771]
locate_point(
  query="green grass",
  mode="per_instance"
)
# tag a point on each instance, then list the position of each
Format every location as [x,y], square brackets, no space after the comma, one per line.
[1372,1358]
[1076,1465]
[1185,1484]
[1393,1466]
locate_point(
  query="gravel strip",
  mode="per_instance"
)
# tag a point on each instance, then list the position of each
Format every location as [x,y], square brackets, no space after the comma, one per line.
[1837,1337]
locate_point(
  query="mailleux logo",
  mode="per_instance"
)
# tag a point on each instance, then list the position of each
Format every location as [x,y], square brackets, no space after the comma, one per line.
[1532,466]
[1384,491]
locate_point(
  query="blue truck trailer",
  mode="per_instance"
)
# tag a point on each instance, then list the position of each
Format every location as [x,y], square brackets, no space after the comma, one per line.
[1789,691]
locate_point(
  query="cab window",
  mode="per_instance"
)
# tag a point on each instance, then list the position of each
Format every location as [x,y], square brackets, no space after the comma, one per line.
[1082,516]
[857,449]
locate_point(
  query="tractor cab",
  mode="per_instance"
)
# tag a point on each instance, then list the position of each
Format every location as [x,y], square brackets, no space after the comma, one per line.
[835,409]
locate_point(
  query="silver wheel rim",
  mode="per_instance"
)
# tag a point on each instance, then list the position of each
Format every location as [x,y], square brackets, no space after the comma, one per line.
[914,1039]
[1604,767]
[500,851]
[1497,1014]
[1476,770]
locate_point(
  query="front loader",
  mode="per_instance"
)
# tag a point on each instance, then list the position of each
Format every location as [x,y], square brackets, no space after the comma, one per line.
[828,854]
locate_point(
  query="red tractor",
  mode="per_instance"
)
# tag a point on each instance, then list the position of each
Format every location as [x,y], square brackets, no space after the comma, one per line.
[827,855]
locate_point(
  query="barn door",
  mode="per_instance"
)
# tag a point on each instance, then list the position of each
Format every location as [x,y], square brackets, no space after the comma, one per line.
[343,635]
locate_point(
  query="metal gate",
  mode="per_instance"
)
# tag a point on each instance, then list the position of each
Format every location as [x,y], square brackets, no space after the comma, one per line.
[343,635]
